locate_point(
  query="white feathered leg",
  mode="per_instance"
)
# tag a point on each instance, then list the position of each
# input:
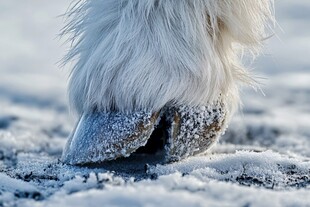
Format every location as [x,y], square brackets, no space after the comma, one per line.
[142,55]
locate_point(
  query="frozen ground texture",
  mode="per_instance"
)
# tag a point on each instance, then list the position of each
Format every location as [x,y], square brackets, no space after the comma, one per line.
[263,159]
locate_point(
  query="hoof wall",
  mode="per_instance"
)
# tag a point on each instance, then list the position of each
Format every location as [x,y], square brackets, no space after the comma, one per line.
[102,136]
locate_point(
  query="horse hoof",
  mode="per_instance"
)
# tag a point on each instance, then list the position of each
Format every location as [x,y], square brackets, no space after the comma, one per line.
[193,130]
[101,136]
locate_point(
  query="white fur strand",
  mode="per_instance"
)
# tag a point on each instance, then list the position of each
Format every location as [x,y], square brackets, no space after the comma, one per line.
[144,54]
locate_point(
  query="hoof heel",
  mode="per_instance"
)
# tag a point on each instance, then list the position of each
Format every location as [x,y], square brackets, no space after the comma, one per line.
[193,130]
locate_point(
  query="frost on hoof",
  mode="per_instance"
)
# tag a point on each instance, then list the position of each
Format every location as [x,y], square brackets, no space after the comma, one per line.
[193,130]
[102,136]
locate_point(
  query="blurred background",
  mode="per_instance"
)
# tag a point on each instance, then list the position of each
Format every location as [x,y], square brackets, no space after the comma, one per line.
[30,47]
[33,86]
[30,50]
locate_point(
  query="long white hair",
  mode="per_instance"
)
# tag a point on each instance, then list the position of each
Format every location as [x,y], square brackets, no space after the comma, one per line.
[144,54]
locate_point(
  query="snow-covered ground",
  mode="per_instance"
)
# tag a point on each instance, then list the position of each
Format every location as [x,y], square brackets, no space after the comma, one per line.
[263,159]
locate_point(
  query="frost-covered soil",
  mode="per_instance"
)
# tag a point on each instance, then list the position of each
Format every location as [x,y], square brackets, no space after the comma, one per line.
[263,159]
